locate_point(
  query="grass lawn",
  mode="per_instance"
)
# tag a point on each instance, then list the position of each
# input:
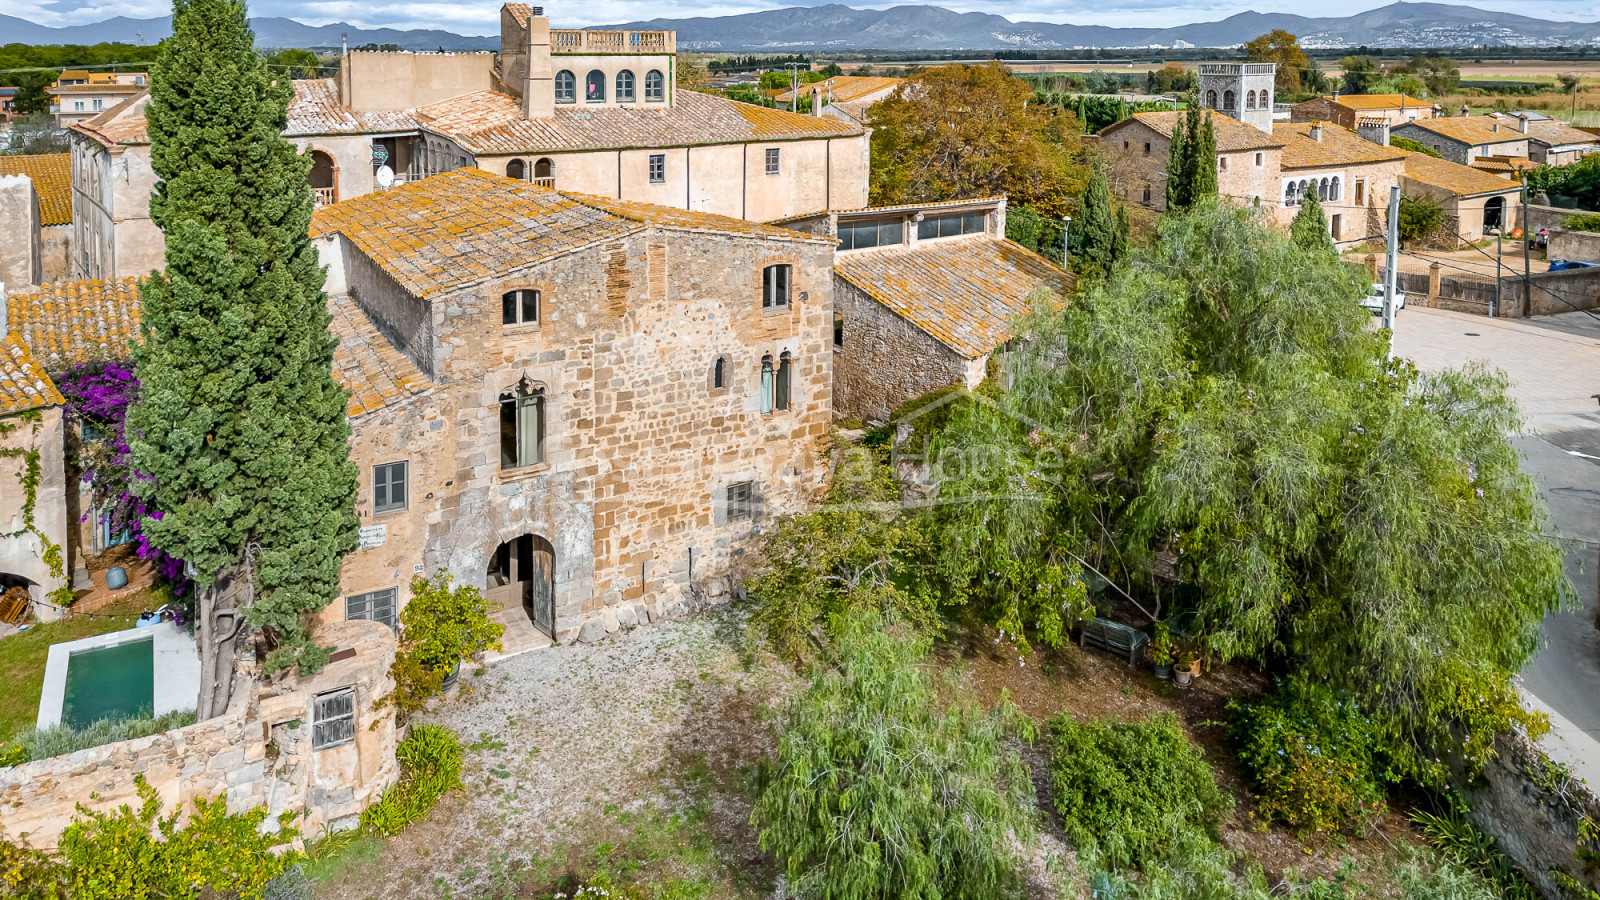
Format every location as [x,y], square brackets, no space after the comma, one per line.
[22,658]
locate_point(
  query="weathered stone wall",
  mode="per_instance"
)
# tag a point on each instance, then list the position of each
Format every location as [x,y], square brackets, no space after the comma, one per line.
[1584,245]
[23,553]
[257,753]
[1534,811]
[55,253]
[639,446]
[19,223]
[886,360]
[1132,169]
[405,320]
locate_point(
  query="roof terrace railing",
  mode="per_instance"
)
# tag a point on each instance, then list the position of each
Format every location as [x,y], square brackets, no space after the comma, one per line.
[641,42]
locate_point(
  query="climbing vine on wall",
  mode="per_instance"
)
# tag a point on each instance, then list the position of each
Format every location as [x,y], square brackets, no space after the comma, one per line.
[30,476]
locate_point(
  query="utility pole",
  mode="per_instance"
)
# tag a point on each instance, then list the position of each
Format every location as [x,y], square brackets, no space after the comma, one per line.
[1499,244]
[1391,257]
[1527,283]
[1066,242]
[794,84]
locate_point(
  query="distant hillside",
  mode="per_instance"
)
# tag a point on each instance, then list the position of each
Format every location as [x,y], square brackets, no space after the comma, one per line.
[837,27]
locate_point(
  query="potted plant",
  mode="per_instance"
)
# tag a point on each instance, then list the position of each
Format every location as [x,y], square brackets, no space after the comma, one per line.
[440,627]
[1161,651]
[1188,666]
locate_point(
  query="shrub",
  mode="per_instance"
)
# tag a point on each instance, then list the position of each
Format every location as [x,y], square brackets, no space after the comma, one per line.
[439,627]
[1589,222]
[109,856]
[430,766]
[1420,217]
[1125,789]
[1310,755]
[1414,147]
[63,739]
[1460,842]
[881,789]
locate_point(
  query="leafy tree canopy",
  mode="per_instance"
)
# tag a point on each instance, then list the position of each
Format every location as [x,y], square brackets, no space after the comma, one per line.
[1281,47]
[1223,402]
[963,131]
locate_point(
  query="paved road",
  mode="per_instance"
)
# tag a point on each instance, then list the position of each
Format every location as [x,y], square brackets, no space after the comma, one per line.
[1554,366]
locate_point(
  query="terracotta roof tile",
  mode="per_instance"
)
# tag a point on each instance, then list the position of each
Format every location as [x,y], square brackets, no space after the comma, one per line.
[1339,146]
[75,321]
[1471,130]
[368,366]
[490,123]
[1382,101]
[1463,181]
[23,383]
[52,179]
[1553,133]
[1232,134]
[965,292]
[846,87]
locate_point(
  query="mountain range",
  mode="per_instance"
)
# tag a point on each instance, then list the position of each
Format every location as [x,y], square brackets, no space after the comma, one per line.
[837,27]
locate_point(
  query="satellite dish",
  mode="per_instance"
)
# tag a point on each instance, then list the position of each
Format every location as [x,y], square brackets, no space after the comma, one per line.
[385,177]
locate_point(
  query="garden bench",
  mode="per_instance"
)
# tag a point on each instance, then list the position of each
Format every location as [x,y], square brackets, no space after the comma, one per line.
[1104,634]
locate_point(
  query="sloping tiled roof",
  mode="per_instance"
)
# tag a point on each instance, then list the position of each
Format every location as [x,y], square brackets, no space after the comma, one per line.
[965,292]
[367,364]
[1463,181]
[491,123]
[1232,134]
[1382,101]
[23,384]
[466,225]
[52,179]
[1554,133]
[75,321]
[846,87]
[1339,146]
[1470,130]
[314,110]
[1504,165]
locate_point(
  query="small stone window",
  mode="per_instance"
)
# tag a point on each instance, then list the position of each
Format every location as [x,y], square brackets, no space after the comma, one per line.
[1258,160]
[838,331]
[1145,198]
[658,168]
[389,487]
[785,370]
[1222,163]
[775,287]
[773,167]
[566,87]
[766,383]
[333,719]
[594,87]
[741,501]
[519,308]
[719,373]
[625,86]
[374,606]
[655,86]
[1146,148]
[522,426]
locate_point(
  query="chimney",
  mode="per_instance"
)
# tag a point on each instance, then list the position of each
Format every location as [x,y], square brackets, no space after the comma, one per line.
[1522,122]
[1336,96]
[1494,126]
[816,100]
[1316,132]
[539,85]
[1383,131]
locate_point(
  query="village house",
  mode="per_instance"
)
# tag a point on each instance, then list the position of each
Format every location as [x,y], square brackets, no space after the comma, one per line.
[1348,109]
[597,112]
[1476,203]
[8,103]
[1248,158]
[1551,141]
[1463,139]
[924,295]
[79,95]
[1350,176]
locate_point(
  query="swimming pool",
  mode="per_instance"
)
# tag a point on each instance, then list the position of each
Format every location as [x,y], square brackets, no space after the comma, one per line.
[146,671]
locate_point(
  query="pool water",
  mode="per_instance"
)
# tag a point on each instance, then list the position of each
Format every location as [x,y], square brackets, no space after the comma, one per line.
[114,682]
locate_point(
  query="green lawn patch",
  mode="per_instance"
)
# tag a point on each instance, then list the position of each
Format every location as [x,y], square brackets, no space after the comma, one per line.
[22,658]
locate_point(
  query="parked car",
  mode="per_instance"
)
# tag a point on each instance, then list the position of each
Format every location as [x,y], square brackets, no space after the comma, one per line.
[1561,265]
[1374,300]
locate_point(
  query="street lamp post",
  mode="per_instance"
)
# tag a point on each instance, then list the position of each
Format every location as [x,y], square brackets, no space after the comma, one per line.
[1066,240]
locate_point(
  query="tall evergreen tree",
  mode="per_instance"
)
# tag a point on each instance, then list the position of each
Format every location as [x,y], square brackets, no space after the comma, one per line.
[240,430]
[1309,230]
[1177,154]
[1124,231]
[1203,184]
[1099,245]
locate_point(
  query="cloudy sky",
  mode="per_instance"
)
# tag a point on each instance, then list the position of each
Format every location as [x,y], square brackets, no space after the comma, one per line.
[482,16]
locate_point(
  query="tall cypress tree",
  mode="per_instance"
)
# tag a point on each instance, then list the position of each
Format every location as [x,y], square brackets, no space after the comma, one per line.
[1309,230]
[1177,157]
[1098,246]
[1203,149]
[240,429]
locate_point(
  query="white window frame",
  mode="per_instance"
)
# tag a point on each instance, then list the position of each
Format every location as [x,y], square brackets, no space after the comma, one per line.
[774,161]
[389,505]
[658,168]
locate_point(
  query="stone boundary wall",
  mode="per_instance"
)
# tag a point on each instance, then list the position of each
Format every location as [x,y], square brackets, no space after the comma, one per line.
[1584,245]
[1535,823]
[257,753]
[1544,294]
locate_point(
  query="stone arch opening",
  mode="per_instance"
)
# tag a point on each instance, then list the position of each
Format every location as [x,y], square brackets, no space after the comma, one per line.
[324,178]
[522,576]
[517,169]
[544,172]
[1494,213]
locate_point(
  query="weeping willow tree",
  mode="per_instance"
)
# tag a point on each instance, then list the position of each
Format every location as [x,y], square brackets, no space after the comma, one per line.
[1222,401]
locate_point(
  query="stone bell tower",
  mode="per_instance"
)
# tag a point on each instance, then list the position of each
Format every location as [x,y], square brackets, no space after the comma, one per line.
[1242,91]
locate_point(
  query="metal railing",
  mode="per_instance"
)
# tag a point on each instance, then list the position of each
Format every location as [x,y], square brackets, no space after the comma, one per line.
[574,41]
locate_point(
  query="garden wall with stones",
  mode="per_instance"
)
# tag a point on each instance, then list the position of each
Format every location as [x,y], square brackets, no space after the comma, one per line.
[258,753]
[1540,813]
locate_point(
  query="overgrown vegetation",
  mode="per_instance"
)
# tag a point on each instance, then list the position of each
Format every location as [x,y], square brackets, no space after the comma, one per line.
[1421,217]
[1577,184]
[430,767]
[1405,143]
[883,788]
[62,739]
[1126,790]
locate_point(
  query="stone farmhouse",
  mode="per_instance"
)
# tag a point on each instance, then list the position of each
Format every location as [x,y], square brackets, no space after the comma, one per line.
[1476,203]
[1551,141]
[1463,139]
[925,296]
[590,111]
[1349,109]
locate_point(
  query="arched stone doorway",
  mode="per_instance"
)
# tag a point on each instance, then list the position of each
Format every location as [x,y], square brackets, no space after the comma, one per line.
[521,576]
[1494,214]
[324,176]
